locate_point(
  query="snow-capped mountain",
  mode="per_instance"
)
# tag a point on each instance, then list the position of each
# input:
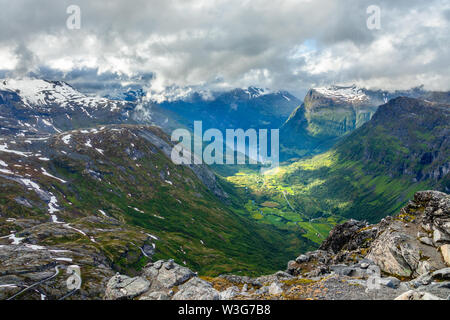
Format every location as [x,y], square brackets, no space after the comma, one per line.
[352,94]
[34,106]
[188,94]
[329,113]
[43,93]
[254,92]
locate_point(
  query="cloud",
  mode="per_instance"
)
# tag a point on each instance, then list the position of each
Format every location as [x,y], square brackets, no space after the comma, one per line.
[279,44]
[26,61]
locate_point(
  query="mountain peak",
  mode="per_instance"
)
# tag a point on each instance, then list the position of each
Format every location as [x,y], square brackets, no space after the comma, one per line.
[255,92]
[45,93]
[33,106]
[40,92]
[353,93]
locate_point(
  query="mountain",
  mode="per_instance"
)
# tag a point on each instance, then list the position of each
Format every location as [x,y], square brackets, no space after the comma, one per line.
[110,197]
[416,144]
[238,108]
[373,170]
[326,115]
[87,183]
[33,106]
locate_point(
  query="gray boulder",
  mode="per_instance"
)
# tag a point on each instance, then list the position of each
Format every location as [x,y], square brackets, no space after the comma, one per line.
[196,289]
[229,293]
[275,288]
[422,280]
[395,253]
[443,274]
[426,240]
[155,295]
[350,271]
[440,237]
[424,267]
[302,258]
[166,274]
[417,295]
[121,287]
[390,282]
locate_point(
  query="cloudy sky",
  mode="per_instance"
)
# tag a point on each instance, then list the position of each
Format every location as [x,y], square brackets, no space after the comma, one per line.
[219,44]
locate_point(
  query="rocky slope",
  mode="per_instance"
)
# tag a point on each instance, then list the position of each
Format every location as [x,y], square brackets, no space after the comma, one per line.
[404,257]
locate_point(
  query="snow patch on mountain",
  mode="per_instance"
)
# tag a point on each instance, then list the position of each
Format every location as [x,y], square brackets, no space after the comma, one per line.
[66,138]
[4,148]
[170,94]
[351,93]
[43,93]
[254,92]
[40,92]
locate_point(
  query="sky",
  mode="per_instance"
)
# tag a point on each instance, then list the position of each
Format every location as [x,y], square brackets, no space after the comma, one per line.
[172,46]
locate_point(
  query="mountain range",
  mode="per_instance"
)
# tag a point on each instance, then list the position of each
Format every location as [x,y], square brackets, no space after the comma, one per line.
[238,108]
[88,181]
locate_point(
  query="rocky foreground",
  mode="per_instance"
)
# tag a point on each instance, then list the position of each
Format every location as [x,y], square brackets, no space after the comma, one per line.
[405,257]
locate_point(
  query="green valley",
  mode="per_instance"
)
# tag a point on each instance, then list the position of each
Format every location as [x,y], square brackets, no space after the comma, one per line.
[371,173]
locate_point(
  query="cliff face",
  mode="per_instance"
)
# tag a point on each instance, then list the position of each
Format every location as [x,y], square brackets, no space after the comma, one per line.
[325,115]
[332,113]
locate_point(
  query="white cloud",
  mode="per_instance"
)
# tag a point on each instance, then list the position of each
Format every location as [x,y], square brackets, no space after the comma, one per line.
[8,59]
[279,44]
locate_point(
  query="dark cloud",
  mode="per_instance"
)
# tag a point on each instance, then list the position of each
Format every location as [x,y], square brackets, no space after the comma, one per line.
[227,43]
[26,61]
